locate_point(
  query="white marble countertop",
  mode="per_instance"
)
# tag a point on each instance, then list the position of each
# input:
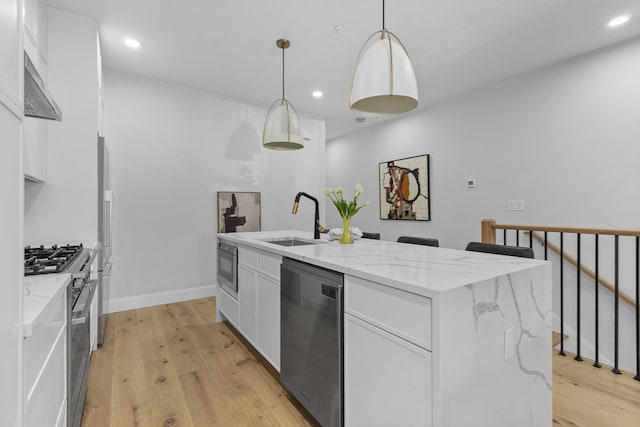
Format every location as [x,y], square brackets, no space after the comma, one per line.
[38,291]
[423,270]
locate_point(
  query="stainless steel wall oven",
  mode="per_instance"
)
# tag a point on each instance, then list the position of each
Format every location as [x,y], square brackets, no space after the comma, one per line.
[228,268]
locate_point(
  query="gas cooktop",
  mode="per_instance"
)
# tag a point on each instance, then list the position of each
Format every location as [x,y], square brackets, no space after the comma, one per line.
[52,259]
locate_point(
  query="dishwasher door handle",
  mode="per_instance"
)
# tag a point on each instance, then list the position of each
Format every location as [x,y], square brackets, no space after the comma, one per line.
[330,291]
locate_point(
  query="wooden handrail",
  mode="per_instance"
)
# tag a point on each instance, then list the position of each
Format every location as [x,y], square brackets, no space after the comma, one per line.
[601,231]
[489,228]
[586,270]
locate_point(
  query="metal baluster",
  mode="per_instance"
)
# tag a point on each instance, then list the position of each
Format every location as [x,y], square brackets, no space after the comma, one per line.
[504,237]
[530,239]
[517,237]
[596,363]
[545,246]
[578,274]
[616,297]
[637,377]
[561,293]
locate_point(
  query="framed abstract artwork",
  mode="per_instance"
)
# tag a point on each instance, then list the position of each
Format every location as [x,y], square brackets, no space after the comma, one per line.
[238,211]
[404,189]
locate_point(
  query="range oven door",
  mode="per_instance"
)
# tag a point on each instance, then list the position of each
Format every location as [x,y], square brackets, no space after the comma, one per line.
[228,268]
[78,350]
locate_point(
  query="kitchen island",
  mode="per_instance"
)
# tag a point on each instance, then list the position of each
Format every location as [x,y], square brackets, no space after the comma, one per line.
[432,336]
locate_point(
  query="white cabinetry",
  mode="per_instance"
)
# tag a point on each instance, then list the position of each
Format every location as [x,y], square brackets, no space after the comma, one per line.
[34,137]
[247,302]
[11,259]
[259,301]
[45,366]
[387,357]
[11,55]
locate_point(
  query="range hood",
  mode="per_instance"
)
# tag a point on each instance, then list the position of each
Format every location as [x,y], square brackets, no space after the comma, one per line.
[38,102]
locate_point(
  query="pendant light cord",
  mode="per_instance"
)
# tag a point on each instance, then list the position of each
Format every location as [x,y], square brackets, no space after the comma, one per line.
[383,27]
[283,73]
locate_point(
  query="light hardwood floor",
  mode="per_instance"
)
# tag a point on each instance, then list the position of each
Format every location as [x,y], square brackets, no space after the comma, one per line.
[173,366]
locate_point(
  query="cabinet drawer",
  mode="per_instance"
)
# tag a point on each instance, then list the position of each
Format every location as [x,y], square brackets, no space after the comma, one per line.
[49,394]
[402,313]
[269,265]
[387,380]
[228,306]
[46,330]
[248,257]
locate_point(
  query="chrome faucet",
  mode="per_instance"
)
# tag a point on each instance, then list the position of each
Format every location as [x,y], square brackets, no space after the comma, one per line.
[317,228]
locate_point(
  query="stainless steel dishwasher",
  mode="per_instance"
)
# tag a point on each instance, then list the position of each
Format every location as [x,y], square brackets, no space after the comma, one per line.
[311,341]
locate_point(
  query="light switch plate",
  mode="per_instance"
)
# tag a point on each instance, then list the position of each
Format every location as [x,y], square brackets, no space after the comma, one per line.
[515,206]
[509,346]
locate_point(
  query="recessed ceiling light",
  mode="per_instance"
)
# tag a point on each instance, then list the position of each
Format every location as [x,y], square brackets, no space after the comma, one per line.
[618,20]
[132,43]
[317,94]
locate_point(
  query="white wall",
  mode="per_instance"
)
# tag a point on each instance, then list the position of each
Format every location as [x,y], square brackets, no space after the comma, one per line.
[172,148]
[64,209]
[564,139]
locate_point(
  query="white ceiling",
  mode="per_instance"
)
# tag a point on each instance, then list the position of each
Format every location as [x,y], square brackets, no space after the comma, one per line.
[228,46]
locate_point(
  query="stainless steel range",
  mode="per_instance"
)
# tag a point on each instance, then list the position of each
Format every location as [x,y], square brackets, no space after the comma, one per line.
[75,260]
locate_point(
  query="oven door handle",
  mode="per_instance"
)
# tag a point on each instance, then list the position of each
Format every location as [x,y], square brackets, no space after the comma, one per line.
[83,304]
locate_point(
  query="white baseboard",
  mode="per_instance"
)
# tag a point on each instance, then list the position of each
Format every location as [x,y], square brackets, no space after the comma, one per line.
[149,300]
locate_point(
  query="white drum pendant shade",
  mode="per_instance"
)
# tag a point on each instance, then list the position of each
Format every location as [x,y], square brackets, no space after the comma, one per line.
[383,80]
[282,127]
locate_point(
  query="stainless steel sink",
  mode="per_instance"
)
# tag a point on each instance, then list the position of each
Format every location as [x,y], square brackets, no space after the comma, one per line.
[293,241]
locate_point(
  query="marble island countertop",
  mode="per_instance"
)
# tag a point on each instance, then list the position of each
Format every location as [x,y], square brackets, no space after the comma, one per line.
[422,270]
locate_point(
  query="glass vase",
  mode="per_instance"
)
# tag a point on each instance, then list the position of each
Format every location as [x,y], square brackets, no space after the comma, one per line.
[346,236]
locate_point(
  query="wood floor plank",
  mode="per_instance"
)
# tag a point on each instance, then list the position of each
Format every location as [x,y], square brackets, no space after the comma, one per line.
[129,400]
[173,366]
[587,396]
[97,403]
[175,327]
[168,406]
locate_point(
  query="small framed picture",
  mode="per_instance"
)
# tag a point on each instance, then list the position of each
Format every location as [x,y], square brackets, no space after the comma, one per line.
[404,189]
[238,211]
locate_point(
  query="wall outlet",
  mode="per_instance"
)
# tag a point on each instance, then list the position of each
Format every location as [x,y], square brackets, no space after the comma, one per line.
[515,206]
[509,344]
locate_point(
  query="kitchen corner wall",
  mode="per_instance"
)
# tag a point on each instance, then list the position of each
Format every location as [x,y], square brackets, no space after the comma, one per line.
[172,148]
[563,138]
[64,208]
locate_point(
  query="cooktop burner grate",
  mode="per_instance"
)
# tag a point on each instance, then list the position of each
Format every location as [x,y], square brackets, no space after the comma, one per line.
[53,259]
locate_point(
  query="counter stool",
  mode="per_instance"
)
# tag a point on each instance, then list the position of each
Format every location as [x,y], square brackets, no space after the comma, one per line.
[490,248]
[419,240]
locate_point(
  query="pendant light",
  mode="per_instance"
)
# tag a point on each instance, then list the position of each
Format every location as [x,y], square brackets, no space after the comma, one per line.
[383,78]
[282,125]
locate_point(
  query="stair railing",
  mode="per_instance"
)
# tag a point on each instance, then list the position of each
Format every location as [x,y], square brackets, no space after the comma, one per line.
[541,235]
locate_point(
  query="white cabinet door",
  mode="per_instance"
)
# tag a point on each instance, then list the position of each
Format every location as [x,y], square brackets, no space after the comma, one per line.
[43,409]
[387,380]
[269,319]
[247,303]
[34,154]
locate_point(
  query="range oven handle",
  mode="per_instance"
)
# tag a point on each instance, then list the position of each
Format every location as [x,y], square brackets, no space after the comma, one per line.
[79,320]
[83,304]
